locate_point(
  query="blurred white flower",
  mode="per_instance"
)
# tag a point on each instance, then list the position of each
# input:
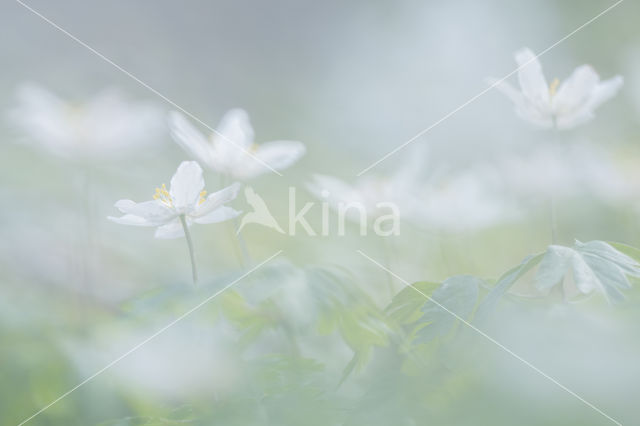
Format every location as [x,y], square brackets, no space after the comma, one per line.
[373,194]
[448,201]
[564,171]
[367,192]
[565,105]
[189,358]
[231,151]
[184,199]
[106,125]
[462,201]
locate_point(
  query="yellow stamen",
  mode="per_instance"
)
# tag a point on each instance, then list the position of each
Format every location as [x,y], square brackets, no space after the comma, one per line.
[553,87]
[163,196]
[203,194]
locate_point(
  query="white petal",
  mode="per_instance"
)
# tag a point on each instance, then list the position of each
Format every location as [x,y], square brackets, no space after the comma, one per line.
[190,138]
[171,230]
[575,91]
[130,219]
[578,117]
[537,114]
[507,89]
[44,118]
[277,154]
[585,111]
[153,212]
[604,91]
[334,190]
[533,115]
[217,199]
[532,81]
[232,142]
[218,215]
[186,184]
[114,123]
[235,129]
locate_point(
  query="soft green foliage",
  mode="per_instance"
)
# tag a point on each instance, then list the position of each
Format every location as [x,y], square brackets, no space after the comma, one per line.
[595,265]
[421,335]
[434,309]
[496,325]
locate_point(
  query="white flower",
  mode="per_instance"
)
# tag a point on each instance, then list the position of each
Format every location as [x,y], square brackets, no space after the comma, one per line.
[230,150]
[107,124]
[461,201]
[447,201]
[563,105]
[367,193]
[184,199]
[565,171]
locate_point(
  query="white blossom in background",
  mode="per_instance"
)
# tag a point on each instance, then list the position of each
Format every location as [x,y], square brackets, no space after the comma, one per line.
[204,363]
[372,194]
[564,171]
[367,192]
[185,198]
[106,125]
[452,201]
[562,105]
[462,201]
[231,150]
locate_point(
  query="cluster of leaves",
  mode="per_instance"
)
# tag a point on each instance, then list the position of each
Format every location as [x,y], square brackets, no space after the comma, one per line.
[398,363]
[421,330]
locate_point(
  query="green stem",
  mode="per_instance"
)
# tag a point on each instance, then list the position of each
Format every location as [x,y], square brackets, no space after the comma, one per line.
[554,221]
[194,271]
[387,250]
[243,245]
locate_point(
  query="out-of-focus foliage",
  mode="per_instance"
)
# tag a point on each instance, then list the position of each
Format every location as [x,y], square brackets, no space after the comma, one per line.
[319,335]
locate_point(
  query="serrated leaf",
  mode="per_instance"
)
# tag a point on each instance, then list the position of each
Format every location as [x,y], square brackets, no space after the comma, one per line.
[405,306]
[505,282]
[608,252]
[632,252]
[453,300]
[595,266]
[344,308]
[553,267]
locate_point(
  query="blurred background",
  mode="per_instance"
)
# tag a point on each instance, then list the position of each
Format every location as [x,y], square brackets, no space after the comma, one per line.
[311,338]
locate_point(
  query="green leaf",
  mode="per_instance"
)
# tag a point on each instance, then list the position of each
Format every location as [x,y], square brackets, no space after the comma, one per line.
[345,308]
[453,300]
[630,251]
[553,267]
[251,321]
[596,265]
[607,252]
[405,306]
[505,282]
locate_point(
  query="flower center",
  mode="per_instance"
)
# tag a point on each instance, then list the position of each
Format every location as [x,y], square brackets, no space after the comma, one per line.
[163,196]
[203,194]
[553,87]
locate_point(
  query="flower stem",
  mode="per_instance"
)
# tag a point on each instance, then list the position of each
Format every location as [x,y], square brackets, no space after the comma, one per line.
[387,250]
[246,258]
[241,246]
[554,221]
[194,271]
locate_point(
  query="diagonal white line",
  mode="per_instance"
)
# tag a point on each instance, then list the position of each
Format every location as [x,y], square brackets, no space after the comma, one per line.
[492,340]
[481,93]
[145,85]
[148,339]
